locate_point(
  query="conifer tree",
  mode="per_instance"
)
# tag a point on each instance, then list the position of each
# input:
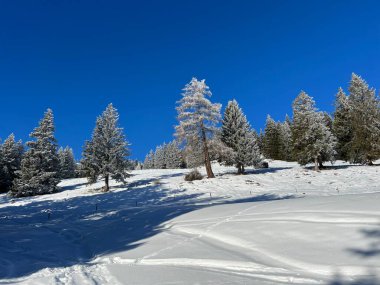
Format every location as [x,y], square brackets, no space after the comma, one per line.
[272,140]
[364,115]
[237,134]
[149,160]
[66,163]
[10,162]
[160,157]
[39,165]
[105,155]
[285,147]
[341,126]
[174,156]
[312,139]
[197,118]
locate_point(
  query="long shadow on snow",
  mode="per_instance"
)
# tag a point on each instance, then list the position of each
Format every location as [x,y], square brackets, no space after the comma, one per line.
[371,279]
[256,171]
[373,248]
[82,228]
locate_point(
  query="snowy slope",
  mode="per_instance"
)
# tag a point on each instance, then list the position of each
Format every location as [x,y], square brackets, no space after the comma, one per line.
[281,225]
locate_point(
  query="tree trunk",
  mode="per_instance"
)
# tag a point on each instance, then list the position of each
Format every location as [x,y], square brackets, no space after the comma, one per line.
[107,188]
[240,171]
[320,162]
[316,167]
[210,174]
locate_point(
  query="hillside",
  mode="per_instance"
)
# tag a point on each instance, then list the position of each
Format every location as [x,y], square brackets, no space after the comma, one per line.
[281,225]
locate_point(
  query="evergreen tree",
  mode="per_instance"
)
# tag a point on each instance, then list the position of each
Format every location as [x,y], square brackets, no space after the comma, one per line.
[237,134]
[10,162]
[312,139]
[285,147]
[364,115]
[174,156]
[260,141]
[272,140]
[341,126]
[39,165]
[105,155]
[149,160]
[66,163]
[197,118]
[160,157]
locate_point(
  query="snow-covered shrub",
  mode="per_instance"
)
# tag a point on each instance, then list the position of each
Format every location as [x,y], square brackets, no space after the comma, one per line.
[193,175]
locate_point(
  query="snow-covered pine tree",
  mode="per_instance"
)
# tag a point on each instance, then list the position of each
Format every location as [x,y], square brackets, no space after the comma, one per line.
[285,134]
[39,165]
[174,156]
[312,139]
[66,162]
[10,161]
[272,140]
[237,134]
[160,157]
[149,160]
[197,118]
[260,141]
[105,155]
[341,126]
[364,115]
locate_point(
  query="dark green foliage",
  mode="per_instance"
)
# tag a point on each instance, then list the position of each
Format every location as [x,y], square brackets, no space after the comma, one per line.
[106,154]
[10,162]
[40,165]
[67,164]
[238,135]
[272,139]
[364,115]
[341,125]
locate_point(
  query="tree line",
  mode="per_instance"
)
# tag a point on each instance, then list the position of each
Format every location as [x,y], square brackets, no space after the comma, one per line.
[202,135]
[38,167]
[351,133]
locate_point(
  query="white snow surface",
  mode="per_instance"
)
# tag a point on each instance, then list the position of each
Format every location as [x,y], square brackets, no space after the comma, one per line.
[282,225]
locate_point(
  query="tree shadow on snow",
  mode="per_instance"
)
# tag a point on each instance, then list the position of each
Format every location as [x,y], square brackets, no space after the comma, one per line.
[370,279]
[373,248]
[50,234]
[255,171]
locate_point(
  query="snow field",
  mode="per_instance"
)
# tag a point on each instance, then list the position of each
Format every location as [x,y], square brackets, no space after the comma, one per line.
[281,225]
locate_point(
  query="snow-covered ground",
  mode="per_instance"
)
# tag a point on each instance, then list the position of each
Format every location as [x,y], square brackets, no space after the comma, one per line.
[281,225]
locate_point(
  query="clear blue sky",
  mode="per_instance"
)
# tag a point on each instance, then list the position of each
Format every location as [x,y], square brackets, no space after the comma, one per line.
[77,56]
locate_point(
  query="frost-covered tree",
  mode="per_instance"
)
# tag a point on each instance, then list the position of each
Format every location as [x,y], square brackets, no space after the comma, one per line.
[364,115]
[10,162]
[149,160]
[66,162]
[174,156]
[197,118]
[237,134]
[312,139]
[167,155]
[285,147]
[105,155]
[194,155]
[39,165]
[272,139]
[160,157]
[341,126]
